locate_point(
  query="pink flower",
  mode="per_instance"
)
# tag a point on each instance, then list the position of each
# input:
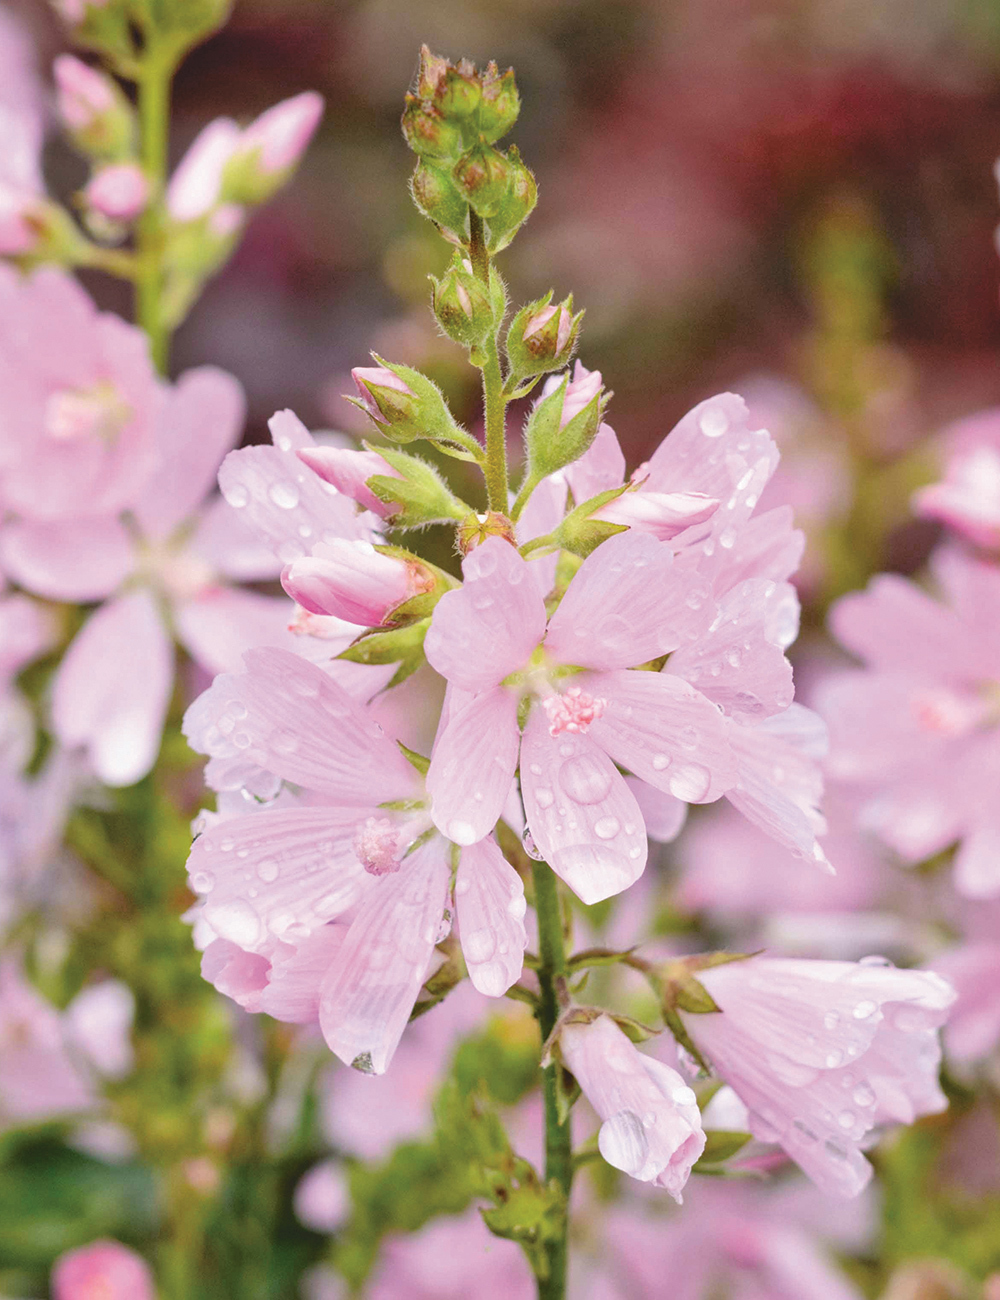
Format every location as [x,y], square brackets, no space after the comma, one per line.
[354,846]
[282,132]
[968,499]
[973,1028]
[821,1052]
[119,192]
[452,1259]
[83,95]
[104,1270]
[80,400]
[538,322]
[651,1123]
[322,1200]
[916,733]
[375,381]
[195,188]
[353,581]
[39,1077]
[348,471]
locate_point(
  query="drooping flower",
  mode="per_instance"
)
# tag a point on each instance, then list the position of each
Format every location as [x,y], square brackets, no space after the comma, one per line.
[822,1052]
[651,1123]
[357,846]
[916,732]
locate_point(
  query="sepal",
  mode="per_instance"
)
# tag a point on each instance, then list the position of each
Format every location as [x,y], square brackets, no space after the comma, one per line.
[419,496]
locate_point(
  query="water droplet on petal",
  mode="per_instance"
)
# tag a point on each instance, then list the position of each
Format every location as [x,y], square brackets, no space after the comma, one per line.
[863,1095]
[875,960]
[683,1097]
[529,845]
[267,871]
[713,422]
[544,797]
[479,946]
[461,832]
[237,495]
[846,1119]
[660,761]
[284,495]
[236,921]
[833,1059]
[623,1143]
[607,828]
[462,885]
[690,783]
[865,1010]
[202,882]
[584,779]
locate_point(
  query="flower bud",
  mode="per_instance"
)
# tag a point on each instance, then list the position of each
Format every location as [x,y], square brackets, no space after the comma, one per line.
[458,90]
[436,195]
[542,336]
[500,103]
[664,514]
[353,581]
[432,69]
[402,403]
[515,207]
[462,305]
[93,109]
[564,423]
[195,186]
[482,175]
[118,192]
[270,147]
[348,471]
[428,132]
[33,227]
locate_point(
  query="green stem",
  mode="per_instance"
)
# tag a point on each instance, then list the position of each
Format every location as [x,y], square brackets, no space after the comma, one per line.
[493,395]
[558,1143]
[154,123]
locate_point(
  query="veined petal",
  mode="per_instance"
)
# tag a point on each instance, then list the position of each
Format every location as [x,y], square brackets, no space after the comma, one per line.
[217,627]
[473,764]
[626,604]
[369,991]
[490,626]
[663,814]
[294,982]
[79,560]
[489,902]
[665,732]
[583,818]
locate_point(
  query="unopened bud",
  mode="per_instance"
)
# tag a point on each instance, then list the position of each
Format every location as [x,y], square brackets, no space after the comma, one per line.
[270,148]
[437,196]
[482,175]
[93,109]
[500,103]
[428,132]
[542,336]
[462,305]
[458,91]
[473,530]
[195,186]
[432,69]
[348,471]
[564,422]
[516,205]
[402,403]
[353,581]
[664,514]
[35,228]
[119,192]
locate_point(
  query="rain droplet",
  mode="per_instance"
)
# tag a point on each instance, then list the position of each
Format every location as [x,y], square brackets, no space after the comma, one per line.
[865,1010]
[202,882]
[517,906]
[544,797]
[237,495]
[863,1095]
[236,921]
[875,960]
[530,847]
[242,739]
[462,885]
[584,779]
[535,770]
[284,495]
[727,539]
[460,832]
[660,762]
[225,845]
[478,946]
[831,1020]
[846,1119]
[267,871]
[713,422]
[690,783]
[833,1059]
[607,828]
[683,1097]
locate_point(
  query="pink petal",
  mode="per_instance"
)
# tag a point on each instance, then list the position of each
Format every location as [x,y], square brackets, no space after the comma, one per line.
[602,466]
[239,975]
[627,604]
[739,663]
[491,625]
[308,730]
[472,766]
[662,514]
[542,515]
[370,989]
[294,982]
[977,862]
[663,815]
[664,731]
[217,627]
[26,631]
[113,687]
[583,818]
[489,902]
[80,560]
[279,873]
[230,546]
[766,546]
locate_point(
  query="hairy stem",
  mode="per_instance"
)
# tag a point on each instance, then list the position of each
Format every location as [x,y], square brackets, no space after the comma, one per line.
[493,395]
[155,77]
[558,1144]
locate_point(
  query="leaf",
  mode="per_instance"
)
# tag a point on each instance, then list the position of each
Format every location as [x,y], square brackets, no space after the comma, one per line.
[721,1144]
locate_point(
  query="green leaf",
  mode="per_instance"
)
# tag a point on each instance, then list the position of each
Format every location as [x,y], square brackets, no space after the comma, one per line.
[721,1144]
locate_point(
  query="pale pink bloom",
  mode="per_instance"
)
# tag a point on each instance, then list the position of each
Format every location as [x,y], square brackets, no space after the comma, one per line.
[651,1125]
[973,1029]
[38,1074]
[195,188]
[26,631]
[581,389]
[452,1259]
[282,132]
[81,402]
[104,1270]
[916,733]
[83,95]
[274,880]
[821,1052]
[119,192]
[968,498]
[322,1201]
[98,1024]
[348,471]
[627,604]
[352,581]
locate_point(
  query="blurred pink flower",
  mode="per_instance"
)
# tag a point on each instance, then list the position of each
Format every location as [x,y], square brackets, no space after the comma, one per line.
[195,187]
[119,192]
[22,129]
[281,133]
[83,94]
[104,1270]
[968,498]
[322,1200]
[452,1259]
[821,1052]
[973,1029]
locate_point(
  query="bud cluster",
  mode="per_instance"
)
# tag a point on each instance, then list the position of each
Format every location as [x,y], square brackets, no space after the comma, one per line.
[452,122]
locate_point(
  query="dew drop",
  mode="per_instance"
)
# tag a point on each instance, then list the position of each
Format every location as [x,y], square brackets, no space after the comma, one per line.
[202,882]
[242,739]
[535,770]
[226,845]
[865,1010]
[517,906]
[690,783]
[660,762]
[462,885]
[875,960]
[607,828]
[831,1020]
[267,871]
[713,422]
[305,530]
[460,832]
[833,1059]
[479,946]
[683,1097]
[544,797]
[530,847]
[727,539]
[237,496]
[236,921]
[863,1095]
[284,495]
[846,1119]
[585,780]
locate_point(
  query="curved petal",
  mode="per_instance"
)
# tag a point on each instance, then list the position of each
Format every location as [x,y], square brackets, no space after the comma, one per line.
[665,732]
[230,546]
[627,604]
[113,687]
[489,902]
[369,991]
[491,625]
[280,873]
[293,983]
[583,818]
[217,627]
[663,814]
[80,560]
[472,766]
[200,421]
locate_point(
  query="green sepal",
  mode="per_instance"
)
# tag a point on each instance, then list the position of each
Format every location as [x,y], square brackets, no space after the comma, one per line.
[447,976]
[515,207]
[438,198]
[416,760]
[676,1026]
[421,493]
[690,995]
[401,645]
[482,175]
[499,105]
[590,957]
[548,446]
[421,413]
[567,1092]
[721,1144]
[540,352]
[581,534]
[633,1029]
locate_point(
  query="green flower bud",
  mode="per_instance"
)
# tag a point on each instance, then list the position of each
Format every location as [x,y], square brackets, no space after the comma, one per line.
[482,175]
[500,104]
[428,132]
[459,91]
[402,403]
[516,205]
[432,69]
[437,197]
[462,304]
[542,336]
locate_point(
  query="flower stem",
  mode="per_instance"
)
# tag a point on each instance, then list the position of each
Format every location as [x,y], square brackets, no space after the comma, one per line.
[558,1143]
[493,395]
[155,77]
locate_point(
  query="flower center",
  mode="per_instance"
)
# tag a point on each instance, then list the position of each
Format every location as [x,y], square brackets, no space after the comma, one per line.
[574,710]
[97,412]
[377,844]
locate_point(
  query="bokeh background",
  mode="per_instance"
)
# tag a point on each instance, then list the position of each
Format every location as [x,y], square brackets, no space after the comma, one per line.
[794,200]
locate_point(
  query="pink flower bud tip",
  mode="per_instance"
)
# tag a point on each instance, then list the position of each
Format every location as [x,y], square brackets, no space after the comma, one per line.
[283,132]
[82,94]
[196,184]
[349,472]
[104,1270]
[119,192]
[352,581]
[378,377]
[542,318]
